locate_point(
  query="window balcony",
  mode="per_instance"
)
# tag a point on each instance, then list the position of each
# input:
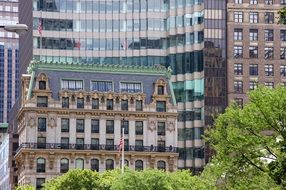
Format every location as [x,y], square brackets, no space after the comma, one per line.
[83,147]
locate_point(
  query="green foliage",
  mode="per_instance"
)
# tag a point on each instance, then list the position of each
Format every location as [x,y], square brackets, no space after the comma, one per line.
[25,187]
[131,180]
[282,16]
[248,142]
[75,179]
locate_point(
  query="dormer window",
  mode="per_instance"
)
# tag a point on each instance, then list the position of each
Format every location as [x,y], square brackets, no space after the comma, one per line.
[42,101]
[160,90]
[72,84]
[161,106]
[42,85]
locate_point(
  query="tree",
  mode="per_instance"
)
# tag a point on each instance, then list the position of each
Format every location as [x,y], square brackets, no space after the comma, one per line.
[75,179]
[250,143]
[282,16]
[25,187]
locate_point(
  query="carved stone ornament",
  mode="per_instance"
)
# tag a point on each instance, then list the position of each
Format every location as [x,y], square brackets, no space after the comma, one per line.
[152,125]
[32,121]
[171,126]
[52,121]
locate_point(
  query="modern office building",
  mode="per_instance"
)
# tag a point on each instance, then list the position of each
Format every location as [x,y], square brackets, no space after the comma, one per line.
[9,59]
[72,116]
[256,47]
[187,36]
[4,164]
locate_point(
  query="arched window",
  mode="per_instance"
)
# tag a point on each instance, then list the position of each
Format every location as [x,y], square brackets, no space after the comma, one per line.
[109,164]
[161,165]
[64,165]
[139,165]
[126,163]
[41,165]
[79,163]
[94,165]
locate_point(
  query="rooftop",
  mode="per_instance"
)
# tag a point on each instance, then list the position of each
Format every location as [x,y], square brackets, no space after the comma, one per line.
[100,68]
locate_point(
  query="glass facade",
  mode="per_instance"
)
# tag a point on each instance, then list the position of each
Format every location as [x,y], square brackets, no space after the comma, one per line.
[171,33]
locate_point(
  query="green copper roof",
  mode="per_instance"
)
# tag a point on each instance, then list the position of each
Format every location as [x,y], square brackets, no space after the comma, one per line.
[4,125]
[104,68]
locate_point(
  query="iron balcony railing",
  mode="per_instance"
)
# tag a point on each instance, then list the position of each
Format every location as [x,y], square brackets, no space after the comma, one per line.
[96,147]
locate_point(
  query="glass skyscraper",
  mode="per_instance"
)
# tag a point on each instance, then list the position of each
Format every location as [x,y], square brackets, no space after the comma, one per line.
[187,36]
[9,59]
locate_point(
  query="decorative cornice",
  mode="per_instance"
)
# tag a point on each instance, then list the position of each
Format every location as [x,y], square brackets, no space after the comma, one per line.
[100,68]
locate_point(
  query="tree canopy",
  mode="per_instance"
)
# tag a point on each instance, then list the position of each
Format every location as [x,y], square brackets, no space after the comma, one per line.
[250,142]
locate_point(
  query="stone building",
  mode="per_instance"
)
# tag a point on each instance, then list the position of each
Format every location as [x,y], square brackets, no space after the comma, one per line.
[71,116]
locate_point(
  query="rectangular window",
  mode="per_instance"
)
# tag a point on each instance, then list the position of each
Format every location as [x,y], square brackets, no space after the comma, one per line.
[42,124]
[253,34]
[42,101]
[239,102]
[283,70]
[253,2]
[252,85]
[109,127]
[268,35]
[237,52]
[125,124]
[283,2]
[139,145]
[65,125]
[80,143]
[253,17]
[160,90]
[253,52]
[139,106]
[95,126]
[65,102]
[139,127]
[238,69]
[269,84]
[268,2]
[80,103]
[268,70]
[238,86]
[39,183]
[130,87]
[283,35]
[102,86]
[94,144]
[109,104]
[41,142]
[238,16]
[253,69]
[95,103]
[80,125]
[109,144]
[237,34]
[268,53]
[124,104]
[161,146]
[238,1]
[161,106]
[161,129]
[283,53]
[72,84]
[269,17]
[64,142]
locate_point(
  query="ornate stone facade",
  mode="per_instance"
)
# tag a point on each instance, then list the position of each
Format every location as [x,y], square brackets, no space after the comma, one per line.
[62,128]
